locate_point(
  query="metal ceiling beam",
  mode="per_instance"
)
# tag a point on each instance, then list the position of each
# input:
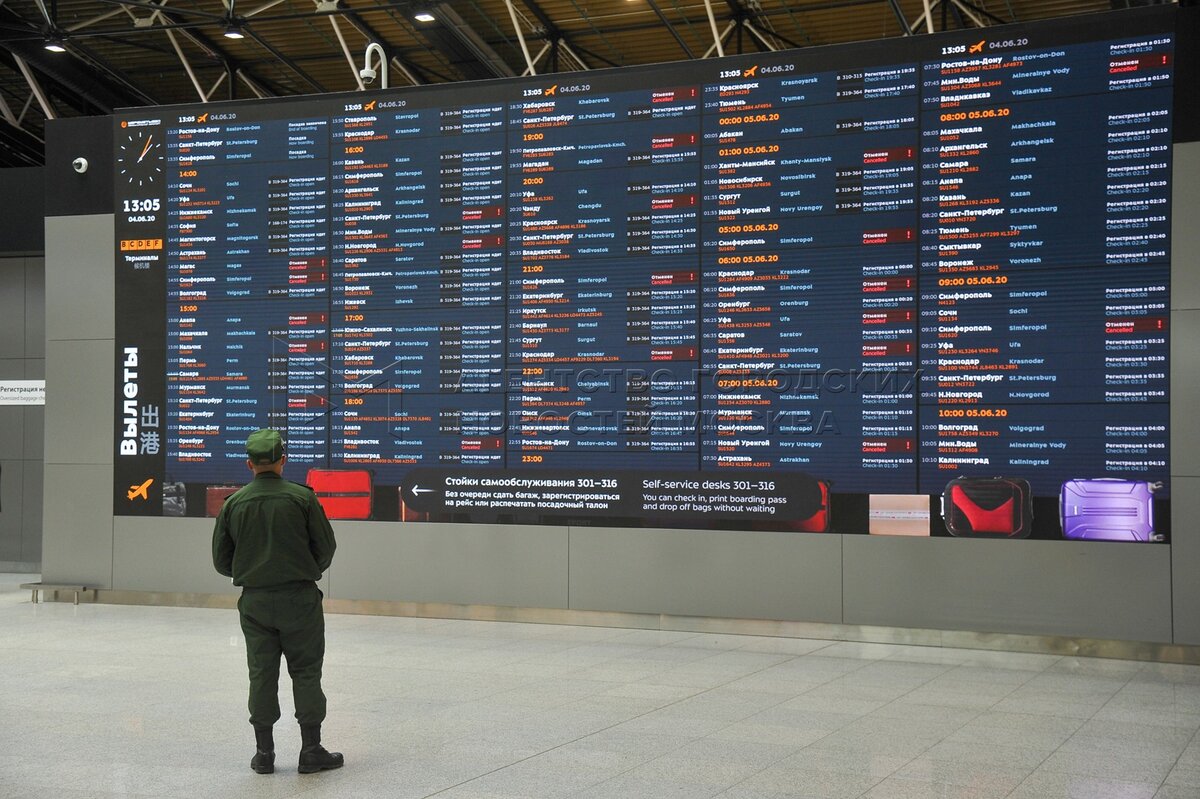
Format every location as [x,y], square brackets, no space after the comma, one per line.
[771,12]
[337,29]
[216,20]
[79,78]
[190,19]
[213,20]
[404,69]
[712,23]
[87,23]
[550,32]
[964,7]
[215,86]
[150,22]
[25,29]
[283,59]
[670,28]
[262,8]
[71,78]
[967,4]
[208,46]
[596,56]
[187,66]
[6,112]
[546,47]
[20,147]
[926,18]
[145,5]
[51,21]
[562,43]
[91,58]
[35,87]
[466,35]
[774,34]
[25,109]
[599,33]
[251,84]
[529,62]
[754,32]
[900,17]
[723,35]
[543,17]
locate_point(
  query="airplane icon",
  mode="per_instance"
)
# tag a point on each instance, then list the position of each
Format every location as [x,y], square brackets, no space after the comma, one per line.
[550,92]
[139,490]
[370,106]
[978,46]
[749,73]
[202,118]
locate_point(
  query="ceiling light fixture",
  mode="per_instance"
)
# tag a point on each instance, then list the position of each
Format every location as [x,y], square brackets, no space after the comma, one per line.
[234,31]
[54,44]
[424,16]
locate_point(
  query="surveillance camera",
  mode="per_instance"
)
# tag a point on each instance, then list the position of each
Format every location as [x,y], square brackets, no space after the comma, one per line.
[367,74]
[80,165]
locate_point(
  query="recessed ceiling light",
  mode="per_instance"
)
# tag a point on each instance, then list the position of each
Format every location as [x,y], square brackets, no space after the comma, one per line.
[424,16]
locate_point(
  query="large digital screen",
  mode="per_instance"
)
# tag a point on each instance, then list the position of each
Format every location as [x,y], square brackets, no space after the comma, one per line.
[914,286]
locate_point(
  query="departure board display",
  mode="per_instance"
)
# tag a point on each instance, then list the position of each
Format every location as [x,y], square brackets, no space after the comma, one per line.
[918,283]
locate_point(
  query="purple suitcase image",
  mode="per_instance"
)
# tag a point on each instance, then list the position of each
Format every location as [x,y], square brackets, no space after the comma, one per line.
[1108,510]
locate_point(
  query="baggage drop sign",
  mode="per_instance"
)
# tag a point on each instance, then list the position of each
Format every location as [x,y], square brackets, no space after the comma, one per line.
[617,494]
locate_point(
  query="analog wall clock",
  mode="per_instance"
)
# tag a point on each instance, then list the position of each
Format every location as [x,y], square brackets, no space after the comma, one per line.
[139,160]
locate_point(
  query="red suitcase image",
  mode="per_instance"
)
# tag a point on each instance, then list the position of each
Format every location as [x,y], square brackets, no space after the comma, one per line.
[214,498]
[819,521]
[407,514]
[344,493]
[988,507]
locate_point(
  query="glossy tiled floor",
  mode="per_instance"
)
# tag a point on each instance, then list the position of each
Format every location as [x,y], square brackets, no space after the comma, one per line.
[102,701]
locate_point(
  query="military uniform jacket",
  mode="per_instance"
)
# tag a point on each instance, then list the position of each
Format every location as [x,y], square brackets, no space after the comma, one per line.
[272,532]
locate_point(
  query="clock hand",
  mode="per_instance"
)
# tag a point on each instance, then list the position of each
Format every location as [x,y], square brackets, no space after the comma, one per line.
[146,149]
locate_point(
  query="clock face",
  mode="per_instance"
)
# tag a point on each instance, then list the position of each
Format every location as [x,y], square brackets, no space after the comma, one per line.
[139,161]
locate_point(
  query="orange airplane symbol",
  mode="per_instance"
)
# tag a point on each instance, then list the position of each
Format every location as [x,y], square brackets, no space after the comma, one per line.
[977,47]
[203,117]
[135,490]
[749,73]
[370,106]
[550,92]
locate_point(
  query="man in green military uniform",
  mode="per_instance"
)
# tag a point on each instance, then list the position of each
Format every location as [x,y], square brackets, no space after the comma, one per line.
[273,539]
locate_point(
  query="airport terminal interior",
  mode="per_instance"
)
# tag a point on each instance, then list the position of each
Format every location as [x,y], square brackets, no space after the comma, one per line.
[106,701]
[754,399]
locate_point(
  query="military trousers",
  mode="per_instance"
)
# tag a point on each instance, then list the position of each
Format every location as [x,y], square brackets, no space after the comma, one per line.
[288,621]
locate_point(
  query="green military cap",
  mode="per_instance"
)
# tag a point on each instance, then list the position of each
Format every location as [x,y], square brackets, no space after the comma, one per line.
[264,447]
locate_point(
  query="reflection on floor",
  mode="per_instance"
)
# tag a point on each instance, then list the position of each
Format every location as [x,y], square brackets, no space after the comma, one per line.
[102,701]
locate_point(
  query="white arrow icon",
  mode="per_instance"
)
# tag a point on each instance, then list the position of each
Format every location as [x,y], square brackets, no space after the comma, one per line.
[419,490]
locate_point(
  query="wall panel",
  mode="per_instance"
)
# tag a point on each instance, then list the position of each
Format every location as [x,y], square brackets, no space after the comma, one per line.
[1087,589]
[517,566]
[753,575]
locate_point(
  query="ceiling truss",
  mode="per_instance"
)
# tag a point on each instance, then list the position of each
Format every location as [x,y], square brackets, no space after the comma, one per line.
[121,53]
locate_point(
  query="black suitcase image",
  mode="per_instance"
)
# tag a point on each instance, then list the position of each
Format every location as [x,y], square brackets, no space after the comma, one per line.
[988,507]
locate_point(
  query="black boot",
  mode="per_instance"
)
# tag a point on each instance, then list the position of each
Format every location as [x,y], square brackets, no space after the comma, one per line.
[264,759]
[313,756]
